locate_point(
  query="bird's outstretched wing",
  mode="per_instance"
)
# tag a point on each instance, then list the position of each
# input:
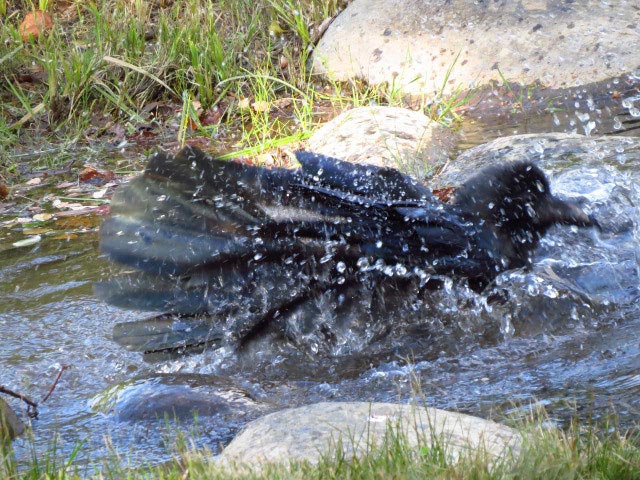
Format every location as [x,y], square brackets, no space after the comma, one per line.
[241,244]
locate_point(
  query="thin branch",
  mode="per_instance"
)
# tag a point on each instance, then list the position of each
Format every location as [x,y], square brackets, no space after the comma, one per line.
[32,407]
[55,382]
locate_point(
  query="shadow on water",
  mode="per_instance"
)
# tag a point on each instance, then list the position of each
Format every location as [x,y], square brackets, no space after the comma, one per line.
[567,337]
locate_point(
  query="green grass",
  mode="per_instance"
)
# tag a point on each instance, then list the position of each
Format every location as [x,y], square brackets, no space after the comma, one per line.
[164,64]
[580,452]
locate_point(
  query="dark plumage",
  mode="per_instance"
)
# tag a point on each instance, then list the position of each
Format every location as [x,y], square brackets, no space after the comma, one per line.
[245,245]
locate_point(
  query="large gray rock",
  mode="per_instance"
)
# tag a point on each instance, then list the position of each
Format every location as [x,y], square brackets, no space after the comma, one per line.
[385,136]
[306,433]
[414,43]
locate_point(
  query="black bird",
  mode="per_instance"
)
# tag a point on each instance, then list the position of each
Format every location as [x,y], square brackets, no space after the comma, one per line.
[243,246]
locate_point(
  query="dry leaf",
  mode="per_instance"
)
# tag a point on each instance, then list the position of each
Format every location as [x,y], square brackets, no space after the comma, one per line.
[213,116]
[42,217]
[444,194]
[34,24]
[283,102]
[34,181]
[27,241]
[95,176]
[261,106]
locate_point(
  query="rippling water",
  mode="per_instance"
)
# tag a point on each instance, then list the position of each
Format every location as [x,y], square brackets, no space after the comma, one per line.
[568,338]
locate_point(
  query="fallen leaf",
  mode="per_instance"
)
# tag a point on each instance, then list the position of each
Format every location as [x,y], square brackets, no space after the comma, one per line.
[282,102]
[4,191]
[34,181]
[444,194]
[265,159]
[244,104]
[213,116]
[275,29]
[34,24]
[27,241]
[57,203]
[95,176]
[42,217]
[261,106]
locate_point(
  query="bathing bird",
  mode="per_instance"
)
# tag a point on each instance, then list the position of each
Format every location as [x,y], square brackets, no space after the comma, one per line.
[244,246]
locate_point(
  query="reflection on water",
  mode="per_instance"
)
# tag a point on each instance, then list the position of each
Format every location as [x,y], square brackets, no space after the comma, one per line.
[567,338]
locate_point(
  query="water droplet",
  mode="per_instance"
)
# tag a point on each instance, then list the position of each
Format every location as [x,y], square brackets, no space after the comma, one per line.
[589,127]
[583,117]
[506,327]
[257,257]
[362,263]
[617,124]
[341,267]
[326,258]
[401,269]
[379,244]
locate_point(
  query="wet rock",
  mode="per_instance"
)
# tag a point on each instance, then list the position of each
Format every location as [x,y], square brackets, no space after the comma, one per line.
[385,136]
[177,397]
[10,424]
[551,150]
[607,107]
[306,433]
[439,46]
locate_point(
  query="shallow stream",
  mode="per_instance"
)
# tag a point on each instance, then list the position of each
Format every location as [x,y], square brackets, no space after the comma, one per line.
[567,338]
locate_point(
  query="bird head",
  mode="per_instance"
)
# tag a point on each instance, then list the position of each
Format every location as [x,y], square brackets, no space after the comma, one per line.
[514,204]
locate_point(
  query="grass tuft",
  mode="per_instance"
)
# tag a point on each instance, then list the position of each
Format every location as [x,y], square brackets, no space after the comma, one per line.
[166,66]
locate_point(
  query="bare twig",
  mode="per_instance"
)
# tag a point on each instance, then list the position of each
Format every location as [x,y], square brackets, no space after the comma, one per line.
[55,382]
[32,407]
